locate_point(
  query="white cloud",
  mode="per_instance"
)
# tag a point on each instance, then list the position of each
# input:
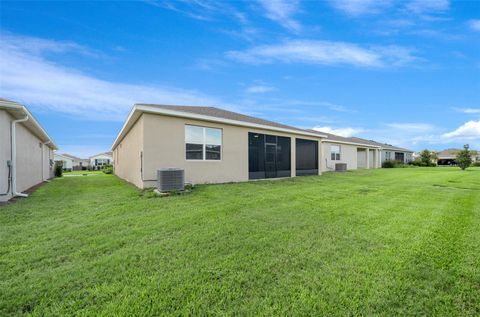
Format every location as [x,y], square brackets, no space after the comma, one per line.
[359,7]
[29,77]
[474,25]
[428,6]
[345,132]
[468,110]
[325,53]
[411,127]
[258,89]
[281,11]
[467,131]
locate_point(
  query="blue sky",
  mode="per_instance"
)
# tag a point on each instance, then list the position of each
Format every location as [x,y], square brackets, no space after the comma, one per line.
[404,72]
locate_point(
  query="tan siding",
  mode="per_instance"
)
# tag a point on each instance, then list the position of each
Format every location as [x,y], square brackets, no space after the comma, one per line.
[348,156]
[165,147]
[126,159]
[5,151]
[29,159]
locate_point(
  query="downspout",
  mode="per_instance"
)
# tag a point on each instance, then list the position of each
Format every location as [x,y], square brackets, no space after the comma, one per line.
[14,158]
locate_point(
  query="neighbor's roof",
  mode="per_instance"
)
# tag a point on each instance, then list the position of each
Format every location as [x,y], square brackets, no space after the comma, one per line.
[71,156]
[384,146]
[62,155]
[109,153]
[340,139]
[19,111]
[449,153]
[210,114]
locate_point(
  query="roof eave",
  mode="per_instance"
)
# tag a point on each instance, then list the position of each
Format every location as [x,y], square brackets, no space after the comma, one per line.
[11,106]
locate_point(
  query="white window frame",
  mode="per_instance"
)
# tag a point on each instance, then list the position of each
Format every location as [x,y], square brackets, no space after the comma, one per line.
[339,153]
[388,155]
[204,144]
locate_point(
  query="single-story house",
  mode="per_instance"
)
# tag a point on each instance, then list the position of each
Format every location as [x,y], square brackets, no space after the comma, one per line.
[448,156]
[78,164]
[390,152]
[27,151]
[99,160]
[354,152]
[65,160]
[217,146]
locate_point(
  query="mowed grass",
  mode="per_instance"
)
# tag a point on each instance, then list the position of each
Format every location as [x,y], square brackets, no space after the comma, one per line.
[371,242]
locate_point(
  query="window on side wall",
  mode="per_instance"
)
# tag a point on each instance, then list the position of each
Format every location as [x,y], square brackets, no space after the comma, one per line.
[335,152]
[388,155]
[202,143]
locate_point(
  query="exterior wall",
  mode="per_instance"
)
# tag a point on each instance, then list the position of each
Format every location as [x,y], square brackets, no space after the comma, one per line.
[29,159]
[163,146]
[127,156]
[33,157]
[5,152]
[348,155]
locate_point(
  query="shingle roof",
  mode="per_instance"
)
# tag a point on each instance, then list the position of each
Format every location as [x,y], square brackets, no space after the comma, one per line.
[384,146]
[334,137]
[225,114]
[452,153]
[71,156]
[110,153]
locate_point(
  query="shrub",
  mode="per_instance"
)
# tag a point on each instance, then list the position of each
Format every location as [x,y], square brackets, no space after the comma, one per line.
[108,169]
[426,158]
[58,170]
[464,158]
[389,164]
[476,164]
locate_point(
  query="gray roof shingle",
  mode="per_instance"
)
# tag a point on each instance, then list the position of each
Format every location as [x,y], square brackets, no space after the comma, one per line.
[225,114]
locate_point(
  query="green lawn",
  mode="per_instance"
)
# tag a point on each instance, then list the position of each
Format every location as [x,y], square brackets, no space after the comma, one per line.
[372,242]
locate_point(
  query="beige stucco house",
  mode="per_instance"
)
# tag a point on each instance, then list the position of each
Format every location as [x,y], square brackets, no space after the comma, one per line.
[26,151]
[217,146]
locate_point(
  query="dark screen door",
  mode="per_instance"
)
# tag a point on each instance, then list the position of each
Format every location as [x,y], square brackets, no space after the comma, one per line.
[270,160]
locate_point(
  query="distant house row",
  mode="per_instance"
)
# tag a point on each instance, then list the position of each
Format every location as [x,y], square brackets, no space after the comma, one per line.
[213,145]
[72,163]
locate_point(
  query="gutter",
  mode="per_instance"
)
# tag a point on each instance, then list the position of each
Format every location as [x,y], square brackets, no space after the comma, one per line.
[14,157]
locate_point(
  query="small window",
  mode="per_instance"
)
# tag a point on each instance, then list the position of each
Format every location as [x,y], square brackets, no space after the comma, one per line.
[203,143]
[388,156]
[335,152]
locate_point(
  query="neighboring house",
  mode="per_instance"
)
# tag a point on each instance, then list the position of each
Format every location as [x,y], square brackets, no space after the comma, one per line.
[26,151]
[65,161]
[448,156]
[100,160]
[354,152]
[390,152]
[217,146]
[78,164]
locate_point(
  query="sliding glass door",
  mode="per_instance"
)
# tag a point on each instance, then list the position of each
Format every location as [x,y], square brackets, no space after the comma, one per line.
[268,156]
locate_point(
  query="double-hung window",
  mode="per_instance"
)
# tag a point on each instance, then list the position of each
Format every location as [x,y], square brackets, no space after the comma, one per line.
[335,152]
[388,156]
[203,143]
